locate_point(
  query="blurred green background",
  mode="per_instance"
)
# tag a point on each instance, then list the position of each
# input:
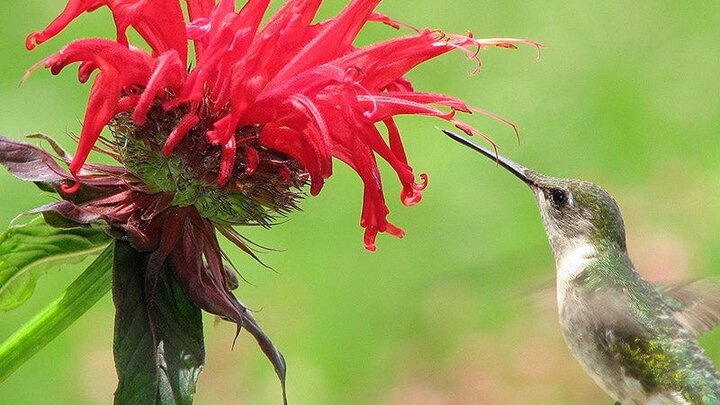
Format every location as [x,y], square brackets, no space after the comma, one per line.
[461,311]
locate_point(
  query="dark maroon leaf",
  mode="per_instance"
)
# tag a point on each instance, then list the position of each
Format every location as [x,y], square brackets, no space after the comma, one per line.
[68,210]
[27,162]
[204,280]
[207,284]
[30,163]
[267,346]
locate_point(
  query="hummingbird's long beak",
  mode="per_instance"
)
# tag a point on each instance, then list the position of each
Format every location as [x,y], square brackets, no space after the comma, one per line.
[520,171]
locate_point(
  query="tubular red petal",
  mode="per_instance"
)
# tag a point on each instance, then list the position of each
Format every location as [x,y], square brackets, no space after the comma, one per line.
[199,8]
[102,104]
[127,103]
[333,39]
[385,20]
[394,231]
[252,158]
[85,70]
[410,196]
[294,144]
[71,189]
[176,136]
[369,239]
[387,61]
[396,144]
[160,23]
[372,138]
[168,73]
[281,38]
[72,10]
[132,66]
[390,106]
[375,211]
[196,30]
[227,161]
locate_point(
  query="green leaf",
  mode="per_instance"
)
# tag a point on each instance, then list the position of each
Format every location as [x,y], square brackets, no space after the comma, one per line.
[158,346]
[28,251]
[80,296]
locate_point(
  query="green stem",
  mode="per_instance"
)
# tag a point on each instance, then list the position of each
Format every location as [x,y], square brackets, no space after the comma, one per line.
[80,296]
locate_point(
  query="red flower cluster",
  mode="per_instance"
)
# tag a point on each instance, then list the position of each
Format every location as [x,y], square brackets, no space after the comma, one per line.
[309,92]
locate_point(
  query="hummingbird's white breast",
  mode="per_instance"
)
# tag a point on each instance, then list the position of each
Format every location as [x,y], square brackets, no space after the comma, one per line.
[576,319]
[571,261]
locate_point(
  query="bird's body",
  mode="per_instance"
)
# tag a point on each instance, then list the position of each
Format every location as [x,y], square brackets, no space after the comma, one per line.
[637,341]
[626,337]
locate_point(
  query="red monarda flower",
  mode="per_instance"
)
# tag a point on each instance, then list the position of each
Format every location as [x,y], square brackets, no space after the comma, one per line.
[229,138]
[261,107]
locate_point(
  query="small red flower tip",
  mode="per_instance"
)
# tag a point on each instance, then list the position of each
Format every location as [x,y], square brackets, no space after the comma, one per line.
[227,161]
[371,234]
[410,197]
[31,41]
[71,189]
[413,194]
[252,158]
[423,185]
[387,21]
[187,123]
[285,174]
[168,74]
[314,95]
[85,70]
[395,231]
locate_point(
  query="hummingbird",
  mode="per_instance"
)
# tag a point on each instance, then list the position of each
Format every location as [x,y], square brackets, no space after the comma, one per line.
[636,340]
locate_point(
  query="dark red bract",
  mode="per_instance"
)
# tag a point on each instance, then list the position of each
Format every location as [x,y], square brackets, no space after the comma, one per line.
[165,237]
[313,95]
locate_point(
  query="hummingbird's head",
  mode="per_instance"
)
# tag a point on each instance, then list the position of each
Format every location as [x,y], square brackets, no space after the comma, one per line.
[574,212]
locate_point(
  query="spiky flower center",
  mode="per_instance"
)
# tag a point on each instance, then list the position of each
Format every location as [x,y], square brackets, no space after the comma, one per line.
[264,184]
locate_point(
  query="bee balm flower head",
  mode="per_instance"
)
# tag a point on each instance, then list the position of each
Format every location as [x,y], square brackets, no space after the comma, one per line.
[231,133]
[261,107]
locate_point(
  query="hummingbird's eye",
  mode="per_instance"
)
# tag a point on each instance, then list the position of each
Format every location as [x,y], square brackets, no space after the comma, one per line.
[559,197]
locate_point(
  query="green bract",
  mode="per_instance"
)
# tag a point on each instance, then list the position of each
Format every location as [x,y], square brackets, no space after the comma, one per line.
[190,176]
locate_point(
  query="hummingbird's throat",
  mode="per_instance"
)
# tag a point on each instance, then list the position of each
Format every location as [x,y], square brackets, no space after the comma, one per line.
[572,260]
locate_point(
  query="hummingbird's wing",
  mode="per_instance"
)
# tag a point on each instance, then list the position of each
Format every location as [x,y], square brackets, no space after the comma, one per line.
[695,305]
[643,342]
[612,313]
[626,334]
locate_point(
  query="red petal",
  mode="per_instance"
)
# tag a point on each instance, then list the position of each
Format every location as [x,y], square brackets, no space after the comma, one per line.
[297,145]
[133,66]
[101,108]
[159,22]
[199,8]
[176,136]
[252,158]
[227,161]
[168,73]
[333,40]
[72,10]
